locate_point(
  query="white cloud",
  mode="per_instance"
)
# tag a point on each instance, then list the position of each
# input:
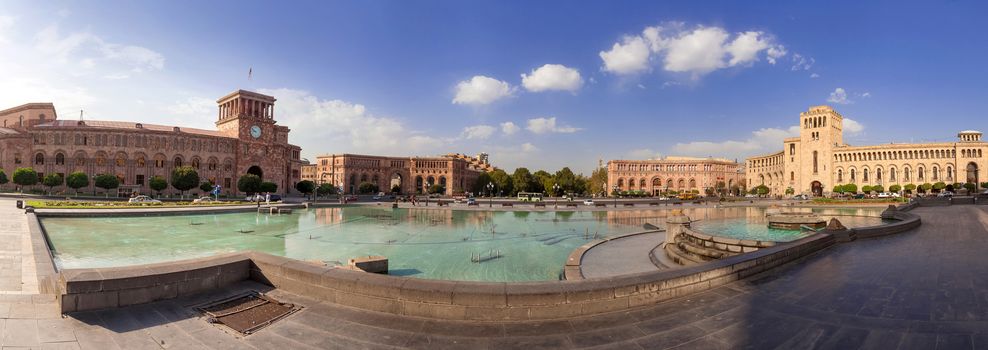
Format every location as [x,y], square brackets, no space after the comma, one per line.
[698,50]
[761,141]
[814,76]
[481,90]
[128,57]
[839,96]
[6,23]
[477,132]
[349,127]
[509,128]
[852,126]
[528,147]
[627,57]
[548,125]
[800,62]
[644,153]
[194,106]
[552,77]
[864,94]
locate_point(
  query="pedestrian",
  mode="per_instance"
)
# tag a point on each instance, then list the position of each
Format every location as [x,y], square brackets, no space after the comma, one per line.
[267,198]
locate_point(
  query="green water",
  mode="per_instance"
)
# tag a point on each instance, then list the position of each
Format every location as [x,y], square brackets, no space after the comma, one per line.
[422,243]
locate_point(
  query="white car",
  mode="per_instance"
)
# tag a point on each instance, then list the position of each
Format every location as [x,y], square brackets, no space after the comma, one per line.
[143,199]
[888,195]
[800,197]
[588,202]
[664,198]
[945,194]
[204,200]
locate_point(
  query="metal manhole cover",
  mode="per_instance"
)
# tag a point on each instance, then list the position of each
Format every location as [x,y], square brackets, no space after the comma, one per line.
[248,312]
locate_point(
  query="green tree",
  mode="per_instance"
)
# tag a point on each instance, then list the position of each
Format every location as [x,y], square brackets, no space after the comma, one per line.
[107,182]
[720,187]
[502,181]
[305,187]
[939,186]
[789,190]
[25,177]
[970,187]
[206,187]
[878,188]
[866,189]
[367,188]
[543,181]
[983,184]
[185,178]
[437,189]
[850,188]
[249,184]
[895,188]
[325,189]
[523,181]
[77,180]
[909,188]
[480,186]
[838,189]
[761,190]
[396,189]
[158,184]
[597,183]
[52,180]
[271,187]
[566,180]
[3,178]
[926,187]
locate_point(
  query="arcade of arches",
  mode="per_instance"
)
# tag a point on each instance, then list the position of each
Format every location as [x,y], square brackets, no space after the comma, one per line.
[410,174]
[674,174]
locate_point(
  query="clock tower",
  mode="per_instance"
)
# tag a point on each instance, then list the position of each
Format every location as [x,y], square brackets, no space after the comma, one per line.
[262,147]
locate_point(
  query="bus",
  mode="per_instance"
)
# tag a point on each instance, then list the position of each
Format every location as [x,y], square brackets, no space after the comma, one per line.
[529,197]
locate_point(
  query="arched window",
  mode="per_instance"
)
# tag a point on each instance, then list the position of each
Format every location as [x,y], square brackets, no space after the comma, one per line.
[59,159]
[792,176]
[195,163]
[177,162]
[921,174]
[936,173]
[100,160]
[892,174]
[878,175]
[840,175]
[120,161]
[864,175]
[39,159]
[950,173]
[814,162]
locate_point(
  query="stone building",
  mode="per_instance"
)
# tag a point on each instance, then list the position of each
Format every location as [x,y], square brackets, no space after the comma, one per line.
[818,159]
[674,174]
[456,172]
[247,140]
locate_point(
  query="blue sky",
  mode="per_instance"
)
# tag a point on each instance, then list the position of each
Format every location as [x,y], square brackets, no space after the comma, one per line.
[603,80]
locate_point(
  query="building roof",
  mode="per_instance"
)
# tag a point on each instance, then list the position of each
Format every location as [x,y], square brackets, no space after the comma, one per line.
[8,131]
[970,132]
[128,126]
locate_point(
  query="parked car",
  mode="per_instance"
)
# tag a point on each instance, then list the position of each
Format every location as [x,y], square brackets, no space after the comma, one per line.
[377,197]
[471,200]
[750,196]
[143,199]
[888,195]
[350,198]
[947,194]
[204,200]
[801,197]
[588,202]
[664,198]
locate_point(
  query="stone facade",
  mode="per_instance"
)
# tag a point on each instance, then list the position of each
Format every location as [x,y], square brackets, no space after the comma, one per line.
[456,172]
[247,140]
[818,159]
[673,173]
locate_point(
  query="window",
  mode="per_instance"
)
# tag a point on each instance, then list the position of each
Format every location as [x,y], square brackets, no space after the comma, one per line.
[59,159]
[121,161]
[865,175]
[140,161]
[177,162]
[80,160]
[139,180]
[39,159]
[100,160]
[920,174]
[840,175]
[815,162]
[17,158]
[936,173]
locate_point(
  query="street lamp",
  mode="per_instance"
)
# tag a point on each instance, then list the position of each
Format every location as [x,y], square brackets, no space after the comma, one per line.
[490,194]
[615,197]
[555,191]
[427,194]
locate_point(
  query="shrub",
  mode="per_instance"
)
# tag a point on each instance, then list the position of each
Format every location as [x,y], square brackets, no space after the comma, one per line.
[52,180]
[3,178]
[910,188]
[850,188]
[106,182]
[926,187]
[325,189]
[158,184]
[305,186]
[185,178]
[895,188]
[939,186]
[269,187]
[77,180]
[249,183]
[25,177]
[878,188]
[970,187]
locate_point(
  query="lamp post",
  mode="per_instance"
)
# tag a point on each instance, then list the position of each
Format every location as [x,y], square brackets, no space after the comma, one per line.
[427,194]
[615,196]
[555,191]
[490,194]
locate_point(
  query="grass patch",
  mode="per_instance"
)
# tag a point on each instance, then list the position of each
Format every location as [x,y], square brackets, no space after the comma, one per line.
[63,204]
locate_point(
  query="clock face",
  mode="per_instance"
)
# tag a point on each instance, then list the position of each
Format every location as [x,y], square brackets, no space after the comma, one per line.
[255,131]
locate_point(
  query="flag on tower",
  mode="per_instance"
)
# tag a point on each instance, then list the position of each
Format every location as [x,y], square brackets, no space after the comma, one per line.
[250,73]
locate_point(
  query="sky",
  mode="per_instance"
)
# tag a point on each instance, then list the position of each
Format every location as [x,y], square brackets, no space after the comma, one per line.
[540,84]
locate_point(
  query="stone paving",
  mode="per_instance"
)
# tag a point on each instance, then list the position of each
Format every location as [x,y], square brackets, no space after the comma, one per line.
[17,267]
[924,289]
[621,256]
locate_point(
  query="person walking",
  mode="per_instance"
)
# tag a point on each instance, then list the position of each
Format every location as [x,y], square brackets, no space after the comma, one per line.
[267,198]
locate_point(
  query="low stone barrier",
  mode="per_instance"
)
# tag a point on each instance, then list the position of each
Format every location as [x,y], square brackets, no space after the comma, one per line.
[932,201]
[961,200]
[93,289]
[571,271]
[43,261]
[732,245]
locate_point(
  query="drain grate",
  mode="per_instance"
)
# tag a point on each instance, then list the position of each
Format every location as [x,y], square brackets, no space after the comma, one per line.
[248,312]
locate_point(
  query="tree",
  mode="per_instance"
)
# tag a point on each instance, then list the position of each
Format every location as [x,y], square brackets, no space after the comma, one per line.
[838,189]
[3,178]
[25,177]
[271,187]
[502,181]
[523,181]
[106,182]
[939,186]
[926,187]
[367,188]
[878,188]
[850,188]
[895,188]
[566,180]
[597,183]
[206,187]
[184,178]
[543,181]
[52,180]
[909,188]
[866,189]
[396,189]
[77,180]
[249,184]
[721,187]
[305,186]
[970,187]
[480,186]
[983,184]
[761,190]
[789,190]
[325,189]
[437,188]
[158,184]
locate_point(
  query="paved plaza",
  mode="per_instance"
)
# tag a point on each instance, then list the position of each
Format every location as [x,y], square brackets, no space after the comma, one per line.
[923,289]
